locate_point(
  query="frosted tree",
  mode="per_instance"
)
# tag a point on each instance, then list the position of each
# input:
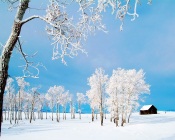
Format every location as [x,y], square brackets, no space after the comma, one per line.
[67,37]
[27,105]
[136,87]
[40,104]
[21,94]
[9,96]
[46,103]
[124,89]
[33,100]
[51,97]
[97,83]
[65,98]
[114,91]
[55,97]
[72,106]
[93,100]
[81,98]
[59,90]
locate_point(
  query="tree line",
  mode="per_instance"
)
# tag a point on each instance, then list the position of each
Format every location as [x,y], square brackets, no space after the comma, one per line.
[31,102]
[118,95]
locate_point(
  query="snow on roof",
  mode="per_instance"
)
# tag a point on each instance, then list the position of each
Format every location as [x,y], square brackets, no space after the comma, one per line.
[145,107]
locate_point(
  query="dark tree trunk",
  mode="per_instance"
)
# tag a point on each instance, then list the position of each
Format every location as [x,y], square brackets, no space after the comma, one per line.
[8,48]
[92,115]
[101,115]
[116,122]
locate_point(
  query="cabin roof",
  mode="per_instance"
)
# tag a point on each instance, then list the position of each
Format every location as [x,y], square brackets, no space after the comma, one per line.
[146,107]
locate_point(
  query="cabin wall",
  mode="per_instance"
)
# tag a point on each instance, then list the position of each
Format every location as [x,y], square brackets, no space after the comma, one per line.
[152,110]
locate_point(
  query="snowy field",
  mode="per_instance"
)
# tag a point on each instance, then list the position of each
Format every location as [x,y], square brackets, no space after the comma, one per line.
[148,127]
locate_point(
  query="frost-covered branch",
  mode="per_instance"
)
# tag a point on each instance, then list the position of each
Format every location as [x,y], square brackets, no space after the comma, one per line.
[30,18]
[121,8]
[29,65]
[90,17]
[67,38]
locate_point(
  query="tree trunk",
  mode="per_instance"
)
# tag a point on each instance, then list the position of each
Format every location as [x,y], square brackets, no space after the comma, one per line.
[11,113]
[129,116]
[34,117]
[2,118]
[111,119]
[5,114]
[123,120]
[79,109]
[15,111]
[101,115]
[19,106]
[116,122]
[31,116]
[73,113]
[57,113]
[71,109]
[8,116]
[11,117]
[92,115]
[65,113]
[28,112]
[52,114]
[41,113]
[101,106]
[8,48]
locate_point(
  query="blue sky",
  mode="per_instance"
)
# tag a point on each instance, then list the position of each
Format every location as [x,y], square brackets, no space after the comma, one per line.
[147,43]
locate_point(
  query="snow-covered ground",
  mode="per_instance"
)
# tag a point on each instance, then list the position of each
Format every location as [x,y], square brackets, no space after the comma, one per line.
[141,127]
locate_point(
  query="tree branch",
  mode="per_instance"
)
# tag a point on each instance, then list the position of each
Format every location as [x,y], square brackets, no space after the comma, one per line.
[26,71]
[29,19]
[39,17]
